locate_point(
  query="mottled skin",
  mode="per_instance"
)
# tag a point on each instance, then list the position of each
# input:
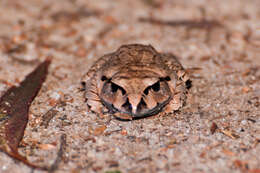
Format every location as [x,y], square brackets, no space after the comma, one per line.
[135,81]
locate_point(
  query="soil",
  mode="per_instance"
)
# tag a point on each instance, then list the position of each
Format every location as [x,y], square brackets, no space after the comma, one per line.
[218,130]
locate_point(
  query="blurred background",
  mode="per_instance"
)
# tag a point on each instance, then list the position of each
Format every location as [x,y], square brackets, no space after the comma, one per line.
[217,41]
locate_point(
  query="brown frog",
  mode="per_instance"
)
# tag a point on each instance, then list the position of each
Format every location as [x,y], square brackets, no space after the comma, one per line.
[135,81]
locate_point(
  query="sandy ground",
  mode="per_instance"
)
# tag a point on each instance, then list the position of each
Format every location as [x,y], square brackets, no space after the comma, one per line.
[222,53]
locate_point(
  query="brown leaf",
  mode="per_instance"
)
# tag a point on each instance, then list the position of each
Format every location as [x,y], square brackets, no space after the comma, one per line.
[213,128]
[14,107]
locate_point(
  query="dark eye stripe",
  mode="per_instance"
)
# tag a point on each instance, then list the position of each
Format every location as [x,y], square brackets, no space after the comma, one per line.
[103,78]
[188,84]
[156,87]
[115,87]
[167,78]
[146,91]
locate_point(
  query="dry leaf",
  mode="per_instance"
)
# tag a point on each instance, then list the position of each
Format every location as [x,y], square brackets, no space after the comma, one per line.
[213,128]
[14,107]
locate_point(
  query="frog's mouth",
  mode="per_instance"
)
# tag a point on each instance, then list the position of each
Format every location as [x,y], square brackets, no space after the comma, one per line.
[129,115]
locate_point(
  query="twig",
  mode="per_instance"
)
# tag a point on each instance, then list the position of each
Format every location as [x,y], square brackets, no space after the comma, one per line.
[60,154]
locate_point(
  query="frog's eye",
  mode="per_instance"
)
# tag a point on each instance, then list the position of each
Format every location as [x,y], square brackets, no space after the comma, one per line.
[155,87]
[167,78]
[115,87]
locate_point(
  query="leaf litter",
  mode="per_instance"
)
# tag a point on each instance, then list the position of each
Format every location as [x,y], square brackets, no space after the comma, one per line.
[14,108]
